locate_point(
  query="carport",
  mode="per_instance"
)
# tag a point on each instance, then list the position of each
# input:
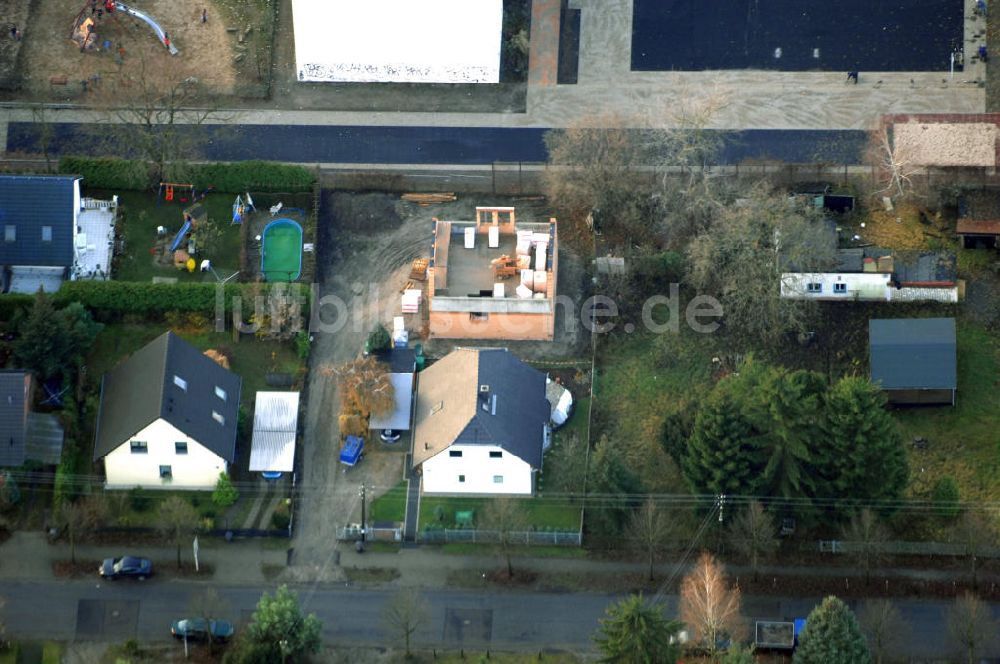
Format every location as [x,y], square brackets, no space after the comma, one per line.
[275,422]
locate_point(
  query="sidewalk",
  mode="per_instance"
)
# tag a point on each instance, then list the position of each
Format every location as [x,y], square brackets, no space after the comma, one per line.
[28,556]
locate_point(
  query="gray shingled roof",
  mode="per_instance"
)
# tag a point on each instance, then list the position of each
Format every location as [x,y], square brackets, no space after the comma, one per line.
[29,202]
[913,353]
[521,413]
[141,390]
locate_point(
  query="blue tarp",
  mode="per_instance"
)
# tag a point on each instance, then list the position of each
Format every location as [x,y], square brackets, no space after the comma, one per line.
[351,452]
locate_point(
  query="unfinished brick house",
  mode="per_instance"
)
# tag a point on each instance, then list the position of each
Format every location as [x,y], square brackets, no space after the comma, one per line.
[493,278]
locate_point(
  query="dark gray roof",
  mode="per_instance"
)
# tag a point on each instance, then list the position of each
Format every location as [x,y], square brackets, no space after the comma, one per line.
[44,440]
[142,389]
[14,406]
[29,202]
[522,411]
[400,360]
[925,267]
[913,353]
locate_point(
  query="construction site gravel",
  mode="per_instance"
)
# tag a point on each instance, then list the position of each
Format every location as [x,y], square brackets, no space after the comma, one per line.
[366,246]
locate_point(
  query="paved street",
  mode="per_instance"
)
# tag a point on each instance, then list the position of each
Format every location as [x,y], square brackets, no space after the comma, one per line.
[91,610]
[422,145]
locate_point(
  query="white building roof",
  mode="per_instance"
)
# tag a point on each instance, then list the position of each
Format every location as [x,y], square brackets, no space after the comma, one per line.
[275,421]
[410,41]
[836,286]
[399,418]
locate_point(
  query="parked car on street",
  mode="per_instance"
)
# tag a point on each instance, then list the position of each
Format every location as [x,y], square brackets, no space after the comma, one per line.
[199,629]
[138,568]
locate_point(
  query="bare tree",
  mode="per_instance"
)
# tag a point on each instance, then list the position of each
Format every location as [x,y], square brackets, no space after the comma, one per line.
[867,538]
[647,532]
[209,606]
[752,533]
[505,516]
[892,165]
[154,101]
[404,614]
[709,606]
[884,627]
[977,535]
[972,627]
[79,517]
[176,520]
[742,254]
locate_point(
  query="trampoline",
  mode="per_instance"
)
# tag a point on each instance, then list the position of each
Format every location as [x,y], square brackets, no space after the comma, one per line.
[281,251]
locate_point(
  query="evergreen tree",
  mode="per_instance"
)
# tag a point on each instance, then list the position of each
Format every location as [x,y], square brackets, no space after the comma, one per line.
[615,483]
[721,456]
[863,455]
[832,636]
[635,631]
[42,344]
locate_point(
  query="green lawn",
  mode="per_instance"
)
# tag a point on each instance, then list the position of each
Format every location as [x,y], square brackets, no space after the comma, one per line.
[963,440]
[252,359]
[542,512]
[141,214]
[641,379]
[123,513]
[390,506]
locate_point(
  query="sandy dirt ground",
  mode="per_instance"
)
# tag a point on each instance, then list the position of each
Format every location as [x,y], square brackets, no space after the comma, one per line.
[367,244]
[205,50]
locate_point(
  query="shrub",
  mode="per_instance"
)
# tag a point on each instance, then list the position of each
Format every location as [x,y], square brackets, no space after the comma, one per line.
[225,493]
[139,499]
[281,516]
[945,497]
[378,339]
[302,345]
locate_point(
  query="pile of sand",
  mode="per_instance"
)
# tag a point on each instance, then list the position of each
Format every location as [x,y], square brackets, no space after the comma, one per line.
[946,144]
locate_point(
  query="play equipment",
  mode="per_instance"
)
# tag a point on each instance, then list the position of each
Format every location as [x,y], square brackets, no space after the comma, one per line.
[84,29]
[241,208]
[180,235]
[169,189]
[281,250]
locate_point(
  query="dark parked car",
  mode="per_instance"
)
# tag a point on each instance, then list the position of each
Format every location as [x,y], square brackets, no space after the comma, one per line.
[198,628]
[139,568]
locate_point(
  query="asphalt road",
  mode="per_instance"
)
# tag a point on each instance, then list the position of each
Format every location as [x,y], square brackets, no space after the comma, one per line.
[870,35]
[415,145]
[94,610]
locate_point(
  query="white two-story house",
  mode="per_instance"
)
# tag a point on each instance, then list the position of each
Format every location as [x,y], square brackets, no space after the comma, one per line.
[481,424]
[167,418]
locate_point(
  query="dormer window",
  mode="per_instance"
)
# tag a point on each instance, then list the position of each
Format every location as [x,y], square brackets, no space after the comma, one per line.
[814,287]
[219,392]
[840,288]
[217,416]
[181,383]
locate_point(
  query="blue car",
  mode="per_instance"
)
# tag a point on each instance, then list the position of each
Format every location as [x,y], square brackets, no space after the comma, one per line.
[137,568]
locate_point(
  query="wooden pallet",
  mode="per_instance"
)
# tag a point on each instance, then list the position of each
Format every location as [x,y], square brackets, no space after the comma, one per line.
[418,270]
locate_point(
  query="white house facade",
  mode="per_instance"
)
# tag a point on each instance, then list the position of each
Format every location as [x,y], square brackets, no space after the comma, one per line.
[167,419]
[163,457]
[477,469]
[481,424]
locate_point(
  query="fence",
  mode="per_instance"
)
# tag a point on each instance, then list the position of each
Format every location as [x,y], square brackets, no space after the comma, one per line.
[901,548]
[353,533]
[476,536]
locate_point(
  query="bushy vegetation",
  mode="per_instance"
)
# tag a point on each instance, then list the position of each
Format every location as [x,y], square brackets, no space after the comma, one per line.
[237,177]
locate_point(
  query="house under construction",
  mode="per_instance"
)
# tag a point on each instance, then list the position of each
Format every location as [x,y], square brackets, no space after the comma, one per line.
[493,278]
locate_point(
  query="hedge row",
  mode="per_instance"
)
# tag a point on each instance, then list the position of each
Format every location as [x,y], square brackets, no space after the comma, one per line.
[112,299]
[236,177]
[108,173]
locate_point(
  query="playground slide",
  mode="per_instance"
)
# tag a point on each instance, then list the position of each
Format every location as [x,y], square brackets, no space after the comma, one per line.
[180,235]
[148,20]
